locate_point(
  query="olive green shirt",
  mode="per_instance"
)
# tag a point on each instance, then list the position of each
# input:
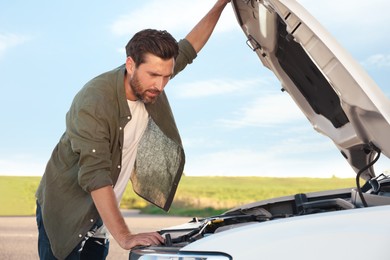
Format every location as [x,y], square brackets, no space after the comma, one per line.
[89,153]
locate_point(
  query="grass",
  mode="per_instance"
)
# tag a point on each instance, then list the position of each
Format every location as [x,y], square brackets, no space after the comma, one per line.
[196,196]
[18,195]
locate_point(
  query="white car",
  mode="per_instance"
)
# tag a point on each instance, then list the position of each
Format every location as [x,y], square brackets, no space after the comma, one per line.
[341,102]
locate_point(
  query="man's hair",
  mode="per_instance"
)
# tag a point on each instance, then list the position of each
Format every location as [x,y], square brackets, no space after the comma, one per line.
[156,42]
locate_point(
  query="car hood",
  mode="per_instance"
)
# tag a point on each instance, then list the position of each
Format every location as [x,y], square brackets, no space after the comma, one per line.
[333,91]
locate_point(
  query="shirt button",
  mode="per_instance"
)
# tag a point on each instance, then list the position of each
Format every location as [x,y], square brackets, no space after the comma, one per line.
[91,219]
[80,235]
[93,150]
[119,166]
[120,128]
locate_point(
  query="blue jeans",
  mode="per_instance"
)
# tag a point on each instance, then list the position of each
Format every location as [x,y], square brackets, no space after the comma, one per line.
[92,249]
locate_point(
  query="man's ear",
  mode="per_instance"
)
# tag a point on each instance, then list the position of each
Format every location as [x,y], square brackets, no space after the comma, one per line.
[130,65]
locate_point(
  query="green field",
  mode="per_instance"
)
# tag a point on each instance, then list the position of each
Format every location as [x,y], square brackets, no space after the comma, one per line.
[18,195]
[196,196]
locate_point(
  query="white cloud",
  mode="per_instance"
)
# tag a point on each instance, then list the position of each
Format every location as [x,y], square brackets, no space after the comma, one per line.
[173,16]
[349,12]
[200,89]
[298,144]
[242,162]
[352,22]
[266,110]
[377,60]
[200,142]
[21,165]
[10,40]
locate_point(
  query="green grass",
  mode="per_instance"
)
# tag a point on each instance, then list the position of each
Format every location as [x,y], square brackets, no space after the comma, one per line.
[196,196]
[18,195]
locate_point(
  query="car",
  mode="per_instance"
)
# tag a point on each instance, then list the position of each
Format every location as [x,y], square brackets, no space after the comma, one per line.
[342,103]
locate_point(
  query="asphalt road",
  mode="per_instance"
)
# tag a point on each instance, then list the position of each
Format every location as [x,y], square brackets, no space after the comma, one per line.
[18,235]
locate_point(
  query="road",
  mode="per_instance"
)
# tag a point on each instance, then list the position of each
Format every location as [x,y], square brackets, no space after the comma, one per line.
[18,235]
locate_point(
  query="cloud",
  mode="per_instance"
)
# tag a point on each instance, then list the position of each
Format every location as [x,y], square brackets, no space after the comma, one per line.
[10,40]
[270,162]
[353,22]
[268,107]
[378,61]
[174,16]
[207,88]
[349,12]
[21,165]
[266,110]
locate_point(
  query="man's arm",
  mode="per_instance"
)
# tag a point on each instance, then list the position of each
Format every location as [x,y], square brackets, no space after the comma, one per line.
[200,34]
[106,204]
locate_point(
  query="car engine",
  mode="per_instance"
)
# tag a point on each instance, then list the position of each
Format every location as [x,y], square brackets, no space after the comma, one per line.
[376,192]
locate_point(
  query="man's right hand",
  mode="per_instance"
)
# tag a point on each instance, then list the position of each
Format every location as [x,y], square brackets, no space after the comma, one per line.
[141,239]
[107,206]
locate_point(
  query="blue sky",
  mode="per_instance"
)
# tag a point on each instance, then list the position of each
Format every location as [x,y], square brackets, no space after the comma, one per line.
[233,119]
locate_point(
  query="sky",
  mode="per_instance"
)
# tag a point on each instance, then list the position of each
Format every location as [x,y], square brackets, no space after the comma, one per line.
[232,116]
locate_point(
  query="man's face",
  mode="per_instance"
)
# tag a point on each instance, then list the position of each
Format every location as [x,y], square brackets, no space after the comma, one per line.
[148,80]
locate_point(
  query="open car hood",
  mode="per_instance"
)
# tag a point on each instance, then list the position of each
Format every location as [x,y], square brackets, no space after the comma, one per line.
[333,91]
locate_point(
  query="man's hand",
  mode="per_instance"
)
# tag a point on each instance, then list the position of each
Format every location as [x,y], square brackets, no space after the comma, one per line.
[106,204]
[142,239]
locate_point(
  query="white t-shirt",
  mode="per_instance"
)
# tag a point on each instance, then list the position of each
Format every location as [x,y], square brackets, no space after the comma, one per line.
[132,135]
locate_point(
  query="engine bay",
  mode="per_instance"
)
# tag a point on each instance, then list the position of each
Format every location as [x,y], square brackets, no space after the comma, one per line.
[376,192]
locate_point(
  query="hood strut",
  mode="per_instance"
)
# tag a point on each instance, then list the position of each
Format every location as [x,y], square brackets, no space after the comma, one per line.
[373,150]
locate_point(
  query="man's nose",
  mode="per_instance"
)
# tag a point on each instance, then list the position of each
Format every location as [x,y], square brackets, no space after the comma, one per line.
[160,83]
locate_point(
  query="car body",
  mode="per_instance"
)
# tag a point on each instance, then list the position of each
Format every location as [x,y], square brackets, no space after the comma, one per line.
[341,102]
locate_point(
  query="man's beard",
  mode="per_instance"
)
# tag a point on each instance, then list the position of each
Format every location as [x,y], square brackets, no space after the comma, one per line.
[136,87]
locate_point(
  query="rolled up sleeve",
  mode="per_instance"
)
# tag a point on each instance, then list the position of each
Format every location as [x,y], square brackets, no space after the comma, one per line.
[88,133]
[186,56]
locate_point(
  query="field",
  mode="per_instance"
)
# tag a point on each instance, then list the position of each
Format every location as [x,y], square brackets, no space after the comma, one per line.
[18,195]
[196,196]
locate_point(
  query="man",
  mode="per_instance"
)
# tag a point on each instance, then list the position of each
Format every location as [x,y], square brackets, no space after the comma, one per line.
[119,127]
